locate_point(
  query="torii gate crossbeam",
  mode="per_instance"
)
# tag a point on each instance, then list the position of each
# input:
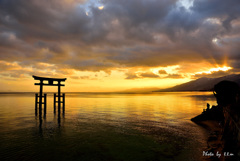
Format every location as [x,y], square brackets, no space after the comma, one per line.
[44,81]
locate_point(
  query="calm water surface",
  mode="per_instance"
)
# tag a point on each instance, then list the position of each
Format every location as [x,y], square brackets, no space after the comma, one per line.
[104,127]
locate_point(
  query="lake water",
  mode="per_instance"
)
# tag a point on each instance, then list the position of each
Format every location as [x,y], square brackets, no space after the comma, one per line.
[104,127]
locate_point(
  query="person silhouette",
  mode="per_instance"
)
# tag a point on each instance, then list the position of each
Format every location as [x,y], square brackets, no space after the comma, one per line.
[208,106]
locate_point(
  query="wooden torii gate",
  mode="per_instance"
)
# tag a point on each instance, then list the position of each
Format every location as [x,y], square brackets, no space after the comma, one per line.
[49,82]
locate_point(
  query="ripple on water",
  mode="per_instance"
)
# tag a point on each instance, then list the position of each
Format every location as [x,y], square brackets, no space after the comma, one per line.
[106,127]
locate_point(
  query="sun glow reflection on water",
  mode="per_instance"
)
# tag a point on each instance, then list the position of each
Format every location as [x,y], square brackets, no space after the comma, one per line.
[99,126]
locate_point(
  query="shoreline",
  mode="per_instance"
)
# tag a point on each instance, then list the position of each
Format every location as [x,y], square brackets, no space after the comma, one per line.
[214,142]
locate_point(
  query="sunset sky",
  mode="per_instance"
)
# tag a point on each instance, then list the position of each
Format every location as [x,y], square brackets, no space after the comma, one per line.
[114,45]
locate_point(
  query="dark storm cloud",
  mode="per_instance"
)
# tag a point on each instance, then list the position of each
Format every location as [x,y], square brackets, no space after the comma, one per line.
[146,33]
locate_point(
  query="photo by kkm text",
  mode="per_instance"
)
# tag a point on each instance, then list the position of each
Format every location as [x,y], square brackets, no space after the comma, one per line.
[218,154]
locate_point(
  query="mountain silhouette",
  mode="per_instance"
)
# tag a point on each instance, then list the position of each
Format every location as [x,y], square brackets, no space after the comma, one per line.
[202,84]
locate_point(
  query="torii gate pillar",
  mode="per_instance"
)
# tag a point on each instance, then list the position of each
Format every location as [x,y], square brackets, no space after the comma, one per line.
[50,82]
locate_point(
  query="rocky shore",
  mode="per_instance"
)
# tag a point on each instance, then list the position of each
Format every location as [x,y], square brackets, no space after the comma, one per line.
[223,123]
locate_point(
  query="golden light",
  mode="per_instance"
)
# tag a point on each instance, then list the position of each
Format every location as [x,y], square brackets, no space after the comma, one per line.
[168,69]
[100,7]
[213,21]
[224,68]
[214,40]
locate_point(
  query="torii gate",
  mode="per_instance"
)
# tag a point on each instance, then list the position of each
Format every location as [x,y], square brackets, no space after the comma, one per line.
[50,82]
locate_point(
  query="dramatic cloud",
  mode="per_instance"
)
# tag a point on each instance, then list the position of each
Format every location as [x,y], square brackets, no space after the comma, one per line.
[175,76]
[132,76]
[149,75]
[72,36]
[162,72]
[212,75]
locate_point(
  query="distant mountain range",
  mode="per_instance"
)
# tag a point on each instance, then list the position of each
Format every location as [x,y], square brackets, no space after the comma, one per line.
[202,84]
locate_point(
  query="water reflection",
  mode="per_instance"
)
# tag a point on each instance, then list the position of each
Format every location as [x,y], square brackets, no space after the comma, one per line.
[98,125]
[41,120]
[60,118]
